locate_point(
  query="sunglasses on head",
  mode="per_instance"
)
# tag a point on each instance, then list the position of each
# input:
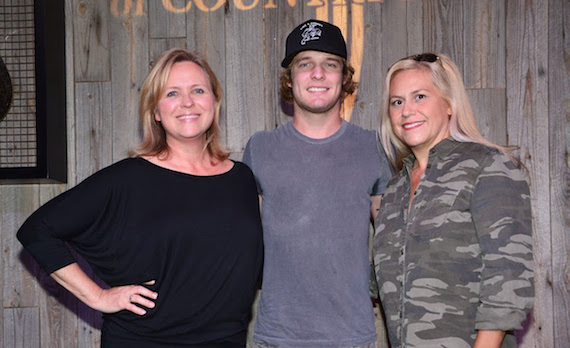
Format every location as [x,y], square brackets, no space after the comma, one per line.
[424,57]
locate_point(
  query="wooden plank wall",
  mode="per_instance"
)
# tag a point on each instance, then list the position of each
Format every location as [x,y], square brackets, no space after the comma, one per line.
[514,55]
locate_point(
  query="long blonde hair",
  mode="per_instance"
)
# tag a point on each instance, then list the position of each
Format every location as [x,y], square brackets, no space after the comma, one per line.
[447,79]
[154,136]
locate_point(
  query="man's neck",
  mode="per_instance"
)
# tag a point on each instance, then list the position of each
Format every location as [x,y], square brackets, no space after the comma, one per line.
[317,126]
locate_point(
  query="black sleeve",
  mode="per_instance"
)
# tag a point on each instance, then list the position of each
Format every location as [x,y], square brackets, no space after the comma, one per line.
[68,217]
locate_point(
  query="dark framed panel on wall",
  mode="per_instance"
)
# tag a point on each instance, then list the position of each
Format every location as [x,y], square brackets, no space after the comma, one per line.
[33,140]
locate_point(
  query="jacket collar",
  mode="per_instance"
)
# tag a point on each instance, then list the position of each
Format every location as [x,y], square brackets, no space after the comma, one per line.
[439,151]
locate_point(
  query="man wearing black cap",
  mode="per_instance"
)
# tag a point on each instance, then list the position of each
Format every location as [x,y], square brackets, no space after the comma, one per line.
[319,178]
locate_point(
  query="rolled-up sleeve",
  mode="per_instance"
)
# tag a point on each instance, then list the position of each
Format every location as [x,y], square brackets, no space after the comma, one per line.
[501,214]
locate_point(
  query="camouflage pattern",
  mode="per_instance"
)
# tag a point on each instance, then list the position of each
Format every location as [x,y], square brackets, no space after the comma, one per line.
[460,259]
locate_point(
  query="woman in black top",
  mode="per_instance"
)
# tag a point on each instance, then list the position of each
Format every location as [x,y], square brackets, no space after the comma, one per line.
[174,230]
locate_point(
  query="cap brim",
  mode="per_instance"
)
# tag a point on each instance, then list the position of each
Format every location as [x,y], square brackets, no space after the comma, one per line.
[285,62]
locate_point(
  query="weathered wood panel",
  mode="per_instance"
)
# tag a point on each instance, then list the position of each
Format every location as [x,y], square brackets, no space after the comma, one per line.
[166,19]
[129,48]
[88,326]
[484,44]
[206,34]
[19,284]
[93,129]
[527,108]
[244,73]
[279,21]
[492,122]
[443,28]
[392,45]
[157,47]
[19,326]
[20,322]
[53,314]
[368,61]
[349,17]
[91,40]
[414,27]
[559,132]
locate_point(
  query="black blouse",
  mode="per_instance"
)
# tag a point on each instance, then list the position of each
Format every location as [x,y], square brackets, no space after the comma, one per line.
[199,237]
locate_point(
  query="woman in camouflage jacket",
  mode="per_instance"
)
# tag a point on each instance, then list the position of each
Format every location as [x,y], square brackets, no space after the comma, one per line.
[452,246]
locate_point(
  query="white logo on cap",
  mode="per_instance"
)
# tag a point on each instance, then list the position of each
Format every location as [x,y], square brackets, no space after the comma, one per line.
[311,32]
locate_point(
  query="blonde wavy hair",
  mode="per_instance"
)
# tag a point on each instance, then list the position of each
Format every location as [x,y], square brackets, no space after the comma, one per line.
[154,136]
[447,79]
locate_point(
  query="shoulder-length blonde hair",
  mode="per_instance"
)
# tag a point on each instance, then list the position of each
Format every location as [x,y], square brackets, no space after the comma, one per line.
[447,79]
[154,136]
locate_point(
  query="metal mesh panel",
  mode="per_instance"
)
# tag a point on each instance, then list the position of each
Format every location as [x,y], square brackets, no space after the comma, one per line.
[18,146]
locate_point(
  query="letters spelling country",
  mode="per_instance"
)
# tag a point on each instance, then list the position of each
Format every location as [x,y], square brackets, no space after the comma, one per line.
[135,8]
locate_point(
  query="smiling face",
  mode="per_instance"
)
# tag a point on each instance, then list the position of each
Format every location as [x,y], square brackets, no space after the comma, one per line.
[316,82]
[419,114]
[187,105]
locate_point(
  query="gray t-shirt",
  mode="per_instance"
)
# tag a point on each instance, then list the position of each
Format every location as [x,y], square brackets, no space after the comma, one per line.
[316,216]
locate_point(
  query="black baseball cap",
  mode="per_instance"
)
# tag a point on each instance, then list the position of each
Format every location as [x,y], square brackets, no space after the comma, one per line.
[314,35]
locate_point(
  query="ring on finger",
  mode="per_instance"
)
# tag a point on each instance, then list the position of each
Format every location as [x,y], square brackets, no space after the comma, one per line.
[131,298]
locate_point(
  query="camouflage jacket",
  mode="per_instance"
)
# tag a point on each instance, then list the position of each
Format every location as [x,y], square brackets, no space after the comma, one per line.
[460,259]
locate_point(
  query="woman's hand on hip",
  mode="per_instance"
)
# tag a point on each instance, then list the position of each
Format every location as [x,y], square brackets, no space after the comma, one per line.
[129,297]
[132,298]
